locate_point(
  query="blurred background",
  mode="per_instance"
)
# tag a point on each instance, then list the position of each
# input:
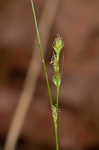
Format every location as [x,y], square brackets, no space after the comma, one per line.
[77,21]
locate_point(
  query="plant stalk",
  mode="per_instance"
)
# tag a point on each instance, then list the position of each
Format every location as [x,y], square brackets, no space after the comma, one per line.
[45,72]
[41,52]
[56,135]
[46,75]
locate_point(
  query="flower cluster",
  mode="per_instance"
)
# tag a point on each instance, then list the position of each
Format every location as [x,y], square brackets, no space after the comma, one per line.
[57,46]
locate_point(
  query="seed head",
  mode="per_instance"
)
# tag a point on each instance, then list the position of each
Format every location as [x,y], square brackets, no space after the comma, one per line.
[58,45]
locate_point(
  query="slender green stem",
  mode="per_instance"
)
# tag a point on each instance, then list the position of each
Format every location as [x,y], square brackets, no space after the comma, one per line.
[57,96]
[56,135]
[57,99]
[56,126]
[41,52]
[53,108]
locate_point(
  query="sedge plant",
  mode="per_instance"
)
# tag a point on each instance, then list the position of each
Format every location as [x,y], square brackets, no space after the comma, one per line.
[57,46]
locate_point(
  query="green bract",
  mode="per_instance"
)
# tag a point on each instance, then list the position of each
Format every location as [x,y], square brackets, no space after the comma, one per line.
[58,45]
[57,81]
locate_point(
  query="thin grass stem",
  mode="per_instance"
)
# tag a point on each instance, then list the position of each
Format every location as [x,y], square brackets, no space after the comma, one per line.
[56,135]
[41,52]
[54,109]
